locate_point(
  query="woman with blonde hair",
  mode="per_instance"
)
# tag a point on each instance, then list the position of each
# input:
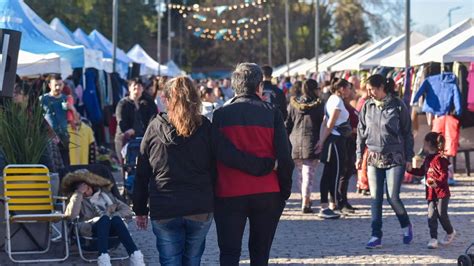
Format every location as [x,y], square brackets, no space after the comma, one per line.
[175,173]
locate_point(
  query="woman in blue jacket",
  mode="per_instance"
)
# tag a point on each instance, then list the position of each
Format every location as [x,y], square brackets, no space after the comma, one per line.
[385,129]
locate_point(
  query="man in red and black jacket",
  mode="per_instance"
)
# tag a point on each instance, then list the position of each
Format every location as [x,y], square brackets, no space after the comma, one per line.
[249,190]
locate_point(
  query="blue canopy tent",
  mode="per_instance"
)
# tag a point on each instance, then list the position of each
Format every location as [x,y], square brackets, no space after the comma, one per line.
[106,46]
[16,15]
[94,55]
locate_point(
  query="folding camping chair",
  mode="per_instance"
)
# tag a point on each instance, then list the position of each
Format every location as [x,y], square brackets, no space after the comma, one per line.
[28,199]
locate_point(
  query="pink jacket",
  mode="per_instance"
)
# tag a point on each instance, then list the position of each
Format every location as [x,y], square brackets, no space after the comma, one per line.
[470,93]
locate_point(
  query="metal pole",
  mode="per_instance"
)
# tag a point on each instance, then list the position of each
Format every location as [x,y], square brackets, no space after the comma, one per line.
[270,40]
[169,31]
[158,52]
[114,32]
[287,29]
[316,36]
[407,34]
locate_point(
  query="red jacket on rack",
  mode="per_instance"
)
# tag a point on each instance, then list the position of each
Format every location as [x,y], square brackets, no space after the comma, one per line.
[435,167]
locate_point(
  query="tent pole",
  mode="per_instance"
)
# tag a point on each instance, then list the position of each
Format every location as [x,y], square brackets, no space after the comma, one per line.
[407,35]
[158,52]
[114,33]
[287,30]
[316,36]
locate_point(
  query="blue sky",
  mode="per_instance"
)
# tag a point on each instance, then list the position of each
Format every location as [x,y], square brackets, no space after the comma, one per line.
[433,14]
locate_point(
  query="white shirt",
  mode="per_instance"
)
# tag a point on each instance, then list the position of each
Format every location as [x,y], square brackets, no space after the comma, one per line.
[228,93]
[336,103]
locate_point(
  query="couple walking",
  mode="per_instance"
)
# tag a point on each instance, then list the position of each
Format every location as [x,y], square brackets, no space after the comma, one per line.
[191,171]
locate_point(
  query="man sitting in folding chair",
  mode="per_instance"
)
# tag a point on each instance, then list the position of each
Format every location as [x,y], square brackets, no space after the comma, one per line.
[100,214]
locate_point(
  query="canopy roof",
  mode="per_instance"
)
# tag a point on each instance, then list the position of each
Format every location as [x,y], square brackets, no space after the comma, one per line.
[459,48]
[398,59]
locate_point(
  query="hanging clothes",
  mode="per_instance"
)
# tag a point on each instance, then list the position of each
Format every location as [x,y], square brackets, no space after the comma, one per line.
[449,127]
[102,87]
[461,72]
[442,93]
[91,100]
[470,94]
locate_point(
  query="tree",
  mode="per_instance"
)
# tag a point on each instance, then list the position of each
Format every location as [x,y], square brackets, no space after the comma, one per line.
[349,24]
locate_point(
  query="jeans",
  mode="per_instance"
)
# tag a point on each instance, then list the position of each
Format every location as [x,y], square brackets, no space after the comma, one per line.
[263,212]
[391,180]
[114,226]
[181,241]
[438,210]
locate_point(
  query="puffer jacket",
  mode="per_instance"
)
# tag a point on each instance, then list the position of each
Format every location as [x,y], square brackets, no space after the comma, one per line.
[82,207]
[385,129]
[303,124]
[435,167]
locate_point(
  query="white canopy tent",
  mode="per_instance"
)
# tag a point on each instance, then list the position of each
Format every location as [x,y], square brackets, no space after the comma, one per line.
[310,65]
[398,59]
[281,70]
[396,45]
[173,69]
[148,65]
[351,63]
[326,66]
[459,48]
[34,64]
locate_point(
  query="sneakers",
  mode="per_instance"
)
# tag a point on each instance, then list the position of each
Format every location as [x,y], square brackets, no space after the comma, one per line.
[104,260]
[451,182]
[448,239]
[374,243]
[433,244]
[328,214]
[307,210]
[347,210]
[136,259]
[408,234]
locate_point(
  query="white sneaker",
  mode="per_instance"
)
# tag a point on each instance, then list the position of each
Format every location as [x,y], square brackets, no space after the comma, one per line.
[104,260]
[448,239]
[136,259]
[433,243]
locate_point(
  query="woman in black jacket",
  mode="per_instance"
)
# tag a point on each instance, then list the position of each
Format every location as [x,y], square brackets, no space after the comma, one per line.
[305,115]
[175,173]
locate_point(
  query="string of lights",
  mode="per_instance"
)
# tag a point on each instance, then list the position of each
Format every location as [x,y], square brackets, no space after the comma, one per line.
[222,8]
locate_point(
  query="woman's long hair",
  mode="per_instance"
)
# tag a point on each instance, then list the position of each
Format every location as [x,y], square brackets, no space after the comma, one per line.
[184,106]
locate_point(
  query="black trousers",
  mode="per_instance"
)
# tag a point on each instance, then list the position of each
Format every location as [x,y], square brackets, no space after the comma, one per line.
[349,152]
[263,212]
[333,157]
[438,210]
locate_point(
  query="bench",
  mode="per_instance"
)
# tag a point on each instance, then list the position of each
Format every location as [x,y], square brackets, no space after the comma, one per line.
[467,158]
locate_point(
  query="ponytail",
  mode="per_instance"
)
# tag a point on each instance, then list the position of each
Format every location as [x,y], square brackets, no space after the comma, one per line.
[337,84]
[378,81]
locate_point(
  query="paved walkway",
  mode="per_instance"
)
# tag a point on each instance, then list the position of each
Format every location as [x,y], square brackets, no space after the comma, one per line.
[306,239]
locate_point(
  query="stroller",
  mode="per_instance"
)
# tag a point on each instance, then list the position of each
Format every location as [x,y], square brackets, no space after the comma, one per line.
[466,259]
[130,154]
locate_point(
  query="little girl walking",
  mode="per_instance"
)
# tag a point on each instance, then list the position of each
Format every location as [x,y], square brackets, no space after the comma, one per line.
[435,170]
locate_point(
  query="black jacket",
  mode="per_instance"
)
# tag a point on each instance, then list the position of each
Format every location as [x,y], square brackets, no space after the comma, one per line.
[275,96]
[128,117]
[305,117]
[174,173]
[147,109]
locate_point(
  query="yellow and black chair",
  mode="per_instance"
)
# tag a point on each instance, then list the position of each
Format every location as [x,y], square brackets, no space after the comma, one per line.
[28,199]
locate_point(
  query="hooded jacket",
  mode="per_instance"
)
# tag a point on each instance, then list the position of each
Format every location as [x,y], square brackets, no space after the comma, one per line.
[303,124]
[435,167]
[85,207]
[385,129]
[442,92]
[174,173]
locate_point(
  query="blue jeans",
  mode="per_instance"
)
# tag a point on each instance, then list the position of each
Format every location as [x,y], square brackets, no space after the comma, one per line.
[181,241]
[114,226]
[391,180]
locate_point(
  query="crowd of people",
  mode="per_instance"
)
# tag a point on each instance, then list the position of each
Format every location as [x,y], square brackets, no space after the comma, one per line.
[227,151]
